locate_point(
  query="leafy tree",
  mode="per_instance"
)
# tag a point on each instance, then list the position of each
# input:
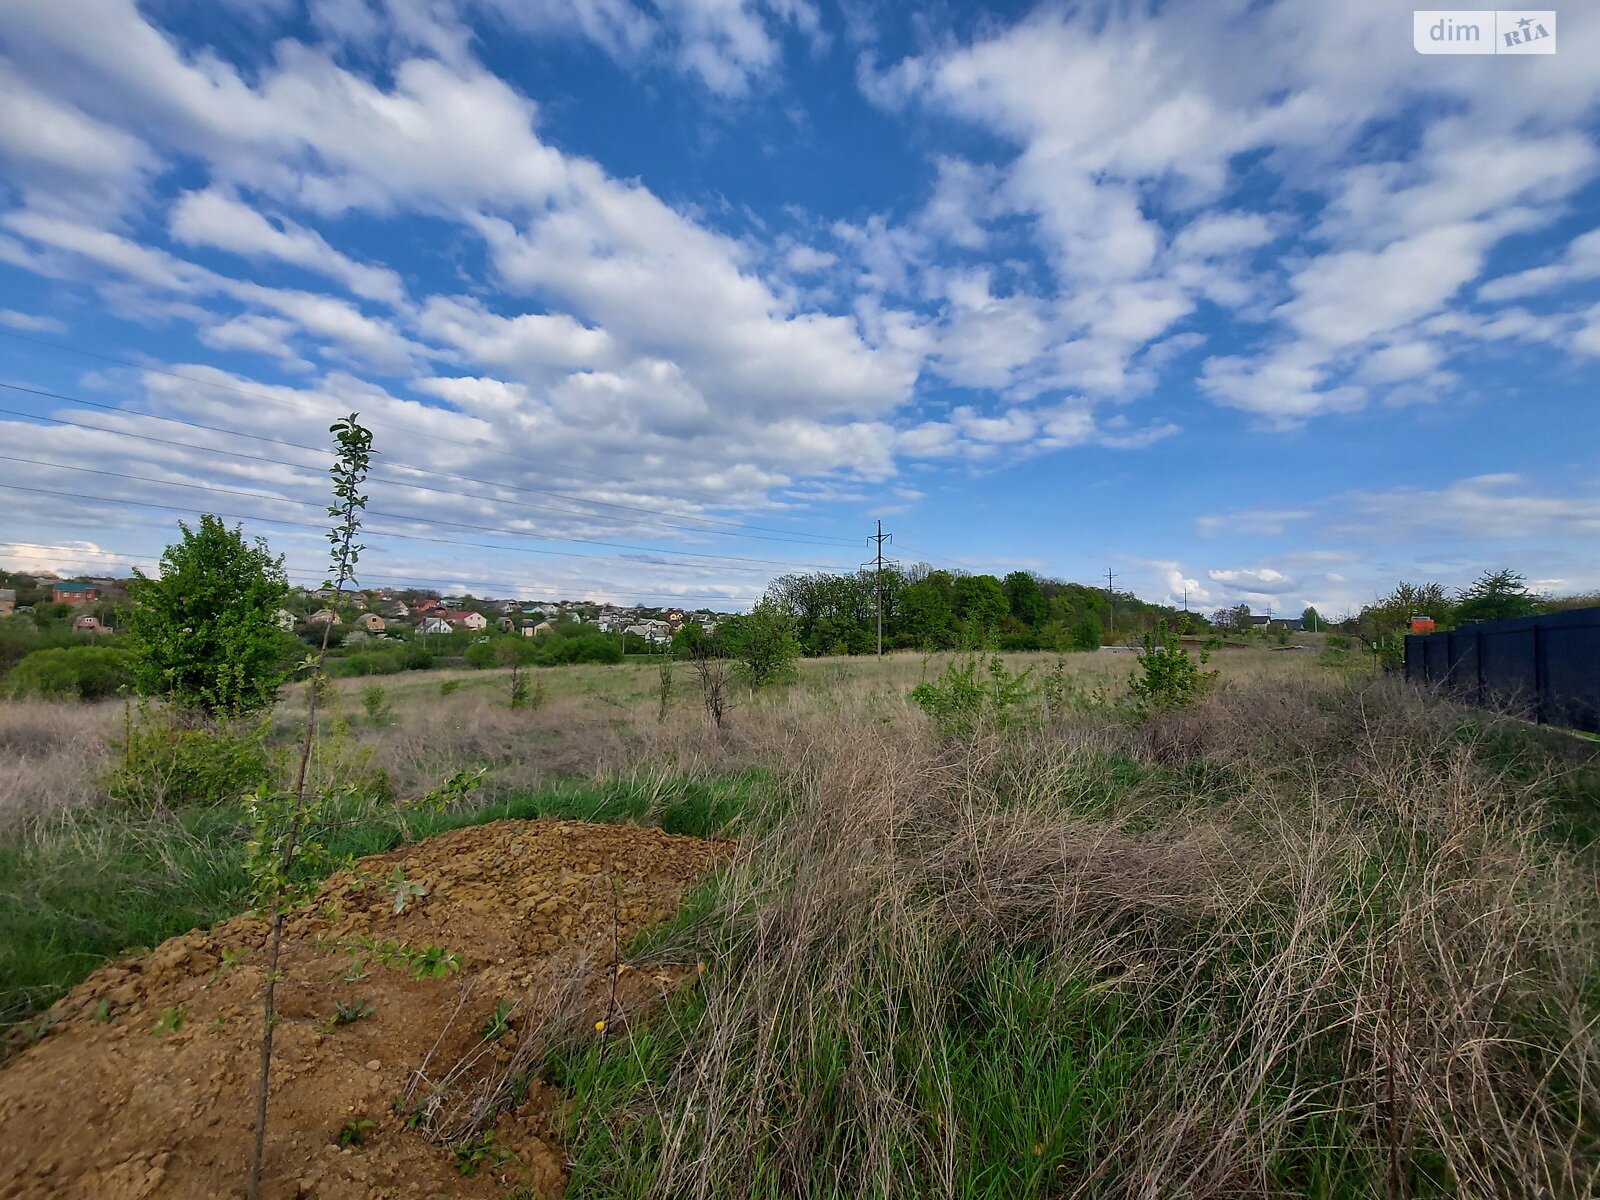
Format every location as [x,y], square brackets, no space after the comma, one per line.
[1236,618]
[204,632]
[974,693]
[1383,623]
[927,612]
[764,643]
[1086,634]
[284,826]
[1311,620]
[1028,602]
[980,604]
[1496,596]
[687,636]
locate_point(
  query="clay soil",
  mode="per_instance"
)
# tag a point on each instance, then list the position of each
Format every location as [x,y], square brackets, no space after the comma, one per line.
[144,1085]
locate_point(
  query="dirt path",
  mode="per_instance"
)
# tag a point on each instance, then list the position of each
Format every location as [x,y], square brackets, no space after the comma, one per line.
[144,1086]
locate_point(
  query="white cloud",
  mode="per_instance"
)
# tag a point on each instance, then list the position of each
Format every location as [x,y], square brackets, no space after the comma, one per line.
[211,218]
[1579,263]
[1128,126]
[257,334]
[1260,580]
[808,260]
[65,158]
[1252,521]
[31,322]
[727,45]
[1350,296]
[1494,507]
[1403,360]
[1286,388]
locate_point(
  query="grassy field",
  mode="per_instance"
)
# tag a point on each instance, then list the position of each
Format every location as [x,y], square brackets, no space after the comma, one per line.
[1317,935]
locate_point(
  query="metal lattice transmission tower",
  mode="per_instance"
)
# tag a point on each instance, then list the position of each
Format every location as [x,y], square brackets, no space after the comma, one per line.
[876,562]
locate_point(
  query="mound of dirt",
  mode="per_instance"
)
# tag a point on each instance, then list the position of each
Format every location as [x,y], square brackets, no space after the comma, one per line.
[144,1085]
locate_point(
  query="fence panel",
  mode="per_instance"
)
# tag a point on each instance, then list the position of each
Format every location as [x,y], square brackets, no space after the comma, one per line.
[1572,674]
[1546,668]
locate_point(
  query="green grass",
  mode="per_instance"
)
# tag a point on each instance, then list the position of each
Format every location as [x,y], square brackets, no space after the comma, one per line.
[108,883]
[1039,1078]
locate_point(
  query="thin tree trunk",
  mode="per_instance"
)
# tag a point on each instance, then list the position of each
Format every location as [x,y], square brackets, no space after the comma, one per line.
[275,935]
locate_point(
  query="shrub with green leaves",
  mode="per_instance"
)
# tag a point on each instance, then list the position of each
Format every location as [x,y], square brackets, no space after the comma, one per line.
[1166,676]
[375,702]
[205,630]
[72,673]
[965,696]
[162,765]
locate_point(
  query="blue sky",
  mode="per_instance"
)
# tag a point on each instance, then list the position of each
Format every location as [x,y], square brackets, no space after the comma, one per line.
[653,300]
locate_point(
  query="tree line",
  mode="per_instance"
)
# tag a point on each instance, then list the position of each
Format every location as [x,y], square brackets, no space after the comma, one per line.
[1496,595]
[928,609]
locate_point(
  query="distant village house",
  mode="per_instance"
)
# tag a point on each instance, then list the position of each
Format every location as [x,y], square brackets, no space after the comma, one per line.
[8,601]
[466,620]
[73,593]
[371,623]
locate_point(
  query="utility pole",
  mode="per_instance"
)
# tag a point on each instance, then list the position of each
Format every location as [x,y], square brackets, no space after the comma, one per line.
[1186,597]
[879,538]
[1111,603]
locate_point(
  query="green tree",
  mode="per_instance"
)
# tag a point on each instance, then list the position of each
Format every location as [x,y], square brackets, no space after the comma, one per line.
[1026,598]
[1496,596]
[926,611]
[285,826]
[1086,634]
[204,632]
[1236,618]
[980,603]
[1311,620]
[764,643]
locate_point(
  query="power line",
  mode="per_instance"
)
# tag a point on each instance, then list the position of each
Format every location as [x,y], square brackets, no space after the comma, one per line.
[1111,604]
[430,435]
[432,521]
[755,531]
[917,554]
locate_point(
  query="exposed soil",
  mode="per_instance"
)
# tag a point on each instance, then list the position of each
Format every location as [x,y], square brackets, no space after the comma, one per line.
[121,1099]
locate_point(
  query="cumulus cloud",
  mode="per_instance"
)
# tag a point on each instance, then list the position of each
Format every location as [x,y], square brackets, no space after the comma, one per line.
[1277,184]
[31,322]
[1128,127]
[212,218]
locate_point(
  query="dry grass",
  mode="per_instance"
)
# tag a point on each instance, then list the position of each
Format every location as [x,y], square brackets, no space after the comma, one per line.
[53,756]
[1318,935]
[1295,941]
[594,720]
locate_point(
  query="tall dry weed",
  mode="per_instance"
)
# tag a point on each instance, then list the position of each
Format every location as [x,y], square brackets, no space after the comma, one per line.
[1311,936]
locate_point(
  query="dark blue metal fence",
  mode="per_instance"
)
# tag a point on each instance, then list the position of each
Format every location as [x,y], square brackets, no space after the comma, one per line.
[1545,668]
